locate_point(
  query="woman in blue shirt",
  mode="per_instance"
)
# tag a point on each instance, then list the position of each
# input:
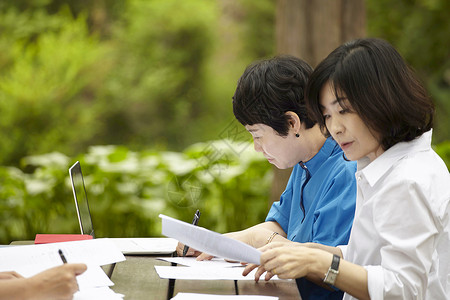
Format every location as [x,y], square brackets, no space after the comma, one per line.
[319,201]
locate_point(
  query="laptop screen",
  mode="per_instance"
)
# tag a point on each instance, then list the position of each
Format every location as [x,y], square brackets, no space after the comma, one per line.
[81,201]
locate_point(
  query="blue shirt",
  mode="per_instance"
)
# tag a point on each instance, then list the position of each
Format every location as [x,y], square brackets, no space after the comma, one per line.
[329,198]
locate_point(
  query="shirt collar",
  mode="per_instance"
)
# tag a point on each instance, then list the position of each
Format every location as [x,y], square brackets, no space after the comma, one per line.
[328,148]
[374,170]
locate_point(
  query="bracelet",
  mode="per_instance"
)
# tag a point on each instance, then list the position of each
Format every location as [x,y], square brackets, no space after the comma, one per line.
[271,237]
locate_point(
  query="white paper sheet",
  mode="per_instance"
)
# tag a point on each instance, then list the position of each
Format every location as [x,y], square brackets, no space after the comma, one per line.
[145,245]
[102,293]
[209,241]
[196,273]
[32,259]
[191,296]
[93,277]
[215,262]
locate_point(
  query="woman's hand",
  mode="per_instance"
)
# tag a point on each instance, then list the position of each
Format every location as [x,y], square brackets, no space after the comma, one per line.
[289,261]
[293,260]
[190,252]
[56,283]
[250,267]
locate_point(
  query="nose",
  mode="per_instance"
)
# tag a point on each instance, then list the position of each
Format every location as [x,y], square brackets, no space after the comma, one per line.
[335,126]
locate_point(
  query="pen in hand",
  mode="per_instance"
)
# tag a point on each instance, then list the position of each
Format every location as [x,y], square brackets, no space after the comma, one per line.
[63,258]
[194,222]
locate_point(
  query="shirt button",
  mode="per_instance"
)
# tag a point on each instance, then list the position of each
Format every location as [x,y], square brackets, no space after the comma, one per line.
[359,178]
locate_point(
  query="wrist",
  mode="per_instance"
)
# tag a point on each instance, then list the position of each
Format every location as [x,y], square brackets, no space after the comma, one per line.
[271,237]
[29,289]
[320,262]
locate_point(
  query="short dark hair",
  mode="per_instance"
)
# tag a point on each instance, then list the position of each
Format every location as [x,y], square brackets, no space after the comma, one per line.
[268,89]
[379,86]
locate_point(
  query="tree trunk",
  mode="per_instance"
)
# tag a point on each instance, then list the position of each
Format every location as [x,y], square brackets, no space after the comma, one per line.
[310,30]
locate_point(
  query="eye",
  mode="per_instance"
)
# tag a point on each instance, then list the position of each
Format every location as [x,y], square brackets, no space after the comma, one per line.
[326,117]
[344,111]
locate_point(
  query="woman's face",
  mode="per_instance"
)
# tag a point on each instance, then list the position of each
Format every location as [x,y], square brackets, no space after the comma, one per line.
[278,150]
[347,128]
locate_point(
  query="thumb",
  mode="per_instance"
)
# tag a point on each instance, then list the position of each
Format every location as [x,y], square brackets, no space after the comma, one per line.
[77,269]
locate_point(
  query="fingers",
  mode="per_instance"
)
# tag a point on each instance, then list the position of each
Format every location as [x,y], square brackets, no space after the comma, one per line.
[204,256]
[190,252]
[180,248]
[248,269]
[259,272]
[10,275]
[77,269]
[269,275]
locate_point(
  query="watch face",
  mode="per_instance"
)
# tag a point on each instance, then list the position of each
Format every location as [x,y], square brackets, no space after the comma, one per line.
[330,277]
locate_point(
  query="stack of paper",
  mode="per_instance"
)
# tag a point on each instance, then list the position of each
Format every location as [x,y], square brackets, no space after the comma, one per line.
[93,283]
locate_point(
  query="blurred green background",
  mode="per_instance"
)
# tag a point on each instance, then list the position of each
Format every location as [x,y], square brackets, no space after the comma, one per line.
[140,92]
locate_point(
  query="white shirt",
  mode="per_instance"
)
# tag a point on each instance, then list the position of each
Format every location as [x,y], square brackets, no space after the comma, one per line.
[401,230]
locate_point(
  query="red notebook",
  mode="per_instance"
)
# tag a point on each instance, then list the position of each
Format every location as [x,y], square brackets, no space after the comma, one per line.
[56,238]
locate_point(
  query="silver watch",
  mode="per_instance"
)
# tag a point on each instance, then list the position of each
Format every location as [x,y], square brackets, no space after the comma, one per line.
[333,271]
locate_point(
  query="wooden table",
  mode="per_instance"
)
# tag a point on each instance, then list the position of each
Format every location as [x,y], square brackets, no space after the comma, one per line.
[137,279]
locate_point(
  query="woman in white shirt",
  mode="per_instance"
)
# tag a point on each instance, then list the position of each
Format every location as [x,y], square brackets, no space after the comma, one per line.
[371,103]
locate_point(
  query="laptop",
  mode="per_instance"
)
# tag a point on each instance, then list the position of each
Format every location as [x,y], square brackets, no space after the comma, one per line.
[126,245]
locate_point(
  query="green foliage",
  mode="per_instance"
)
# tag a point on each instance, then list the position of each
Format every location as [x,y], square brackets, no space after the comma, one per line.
[228,181]
[443,150]
[157,84]
[258,28]
[43,84]
[420,30]
[64,87]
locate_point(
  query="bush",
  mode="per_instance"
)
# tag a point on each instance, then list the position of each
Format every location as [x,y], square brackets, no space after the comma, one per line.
[46,76]
[228,181]
[63,87]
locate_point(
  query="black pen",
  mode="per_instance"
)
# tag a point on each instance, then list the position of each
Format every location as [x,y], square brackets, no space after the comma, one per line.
[194,222]
[63,258]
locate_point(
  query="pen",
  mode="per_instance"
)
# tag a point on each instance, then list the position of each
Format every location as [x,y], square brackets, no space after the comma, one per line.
[63,258]
[194,222]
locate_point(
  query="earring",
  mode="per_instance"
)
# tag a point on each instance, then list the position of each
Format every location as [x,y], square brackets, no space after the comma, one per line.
[297,135]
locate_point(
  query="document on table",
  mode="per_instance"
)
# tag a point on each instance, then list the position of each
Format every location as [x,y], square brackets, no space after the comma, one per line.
[101,293]
[207,273]
[32,259]
[209,241]
[191,296]
[190,261]
[145,245]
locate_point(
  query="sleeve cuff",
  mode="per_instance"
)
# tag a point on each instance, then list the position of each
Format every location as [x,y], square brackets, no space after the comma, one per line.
[375,282]
[275,215]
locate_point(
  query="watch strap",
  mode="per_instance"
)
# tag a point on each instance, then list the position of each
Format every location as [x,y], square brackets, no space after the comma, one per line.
[333,271]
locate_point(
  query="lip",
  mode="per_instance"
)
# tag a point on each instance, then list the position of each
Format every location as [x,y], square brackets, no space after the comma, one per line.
[269,159]
[346,145]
